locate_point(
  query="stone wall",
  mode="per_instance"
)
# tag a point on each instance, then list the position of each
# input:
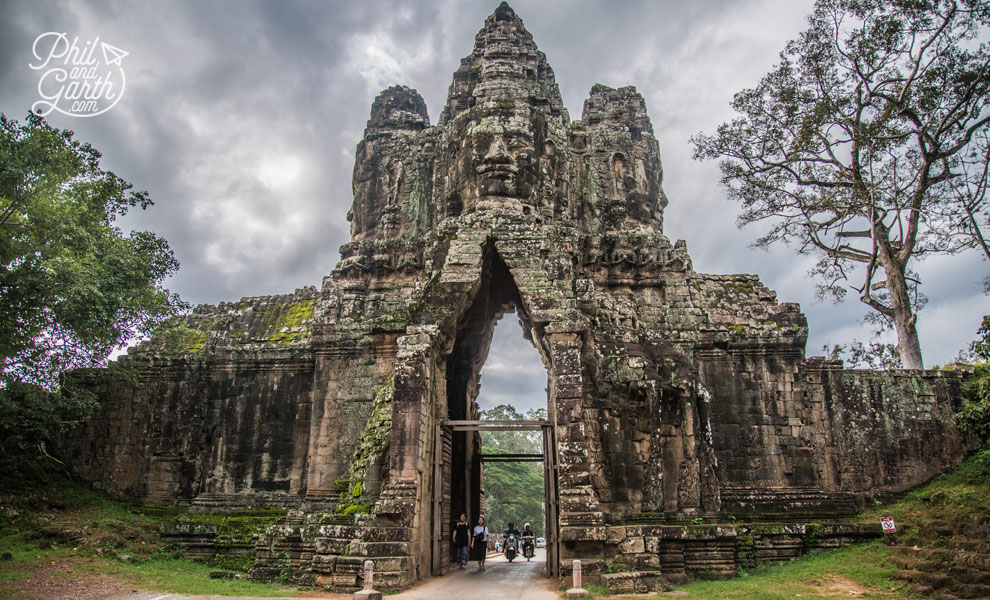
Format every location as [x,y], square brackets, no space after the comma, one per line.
[183,420]
[650,556]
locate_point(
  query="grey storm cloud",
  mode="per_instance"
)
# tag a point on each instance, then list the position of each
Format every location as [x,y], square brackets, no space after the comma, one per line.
[514,372]
[241,120]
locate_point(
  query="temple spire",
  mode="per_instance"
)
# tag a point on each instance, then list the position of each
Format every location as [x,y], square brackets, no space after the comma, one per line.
[505,66]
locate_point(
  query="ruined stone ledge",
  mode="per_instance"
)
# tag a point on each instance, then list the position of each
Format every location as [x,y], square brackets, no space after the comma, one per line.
[635,582]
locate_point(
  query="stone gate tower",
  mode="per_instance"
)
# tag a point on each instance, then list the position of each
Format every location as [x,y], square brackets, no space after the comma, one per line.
[674,396]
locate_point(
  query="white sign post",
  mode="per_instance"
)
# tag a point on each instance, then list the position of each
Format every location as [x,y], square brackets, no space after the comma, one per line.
[889,528]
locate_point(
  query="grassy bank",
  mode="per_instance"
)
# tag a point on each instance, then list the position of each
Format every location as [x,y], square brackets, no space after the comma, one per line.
[58,535]
[866,570]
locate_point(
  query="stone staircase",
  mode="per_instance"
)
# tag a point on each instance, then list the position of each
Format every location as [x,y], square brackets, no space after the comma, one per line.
[328,550]
[947,561]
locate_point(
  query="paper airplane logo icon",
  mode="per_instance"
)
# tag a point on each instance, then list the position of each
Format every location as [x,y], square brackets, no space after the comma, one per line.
[112,54]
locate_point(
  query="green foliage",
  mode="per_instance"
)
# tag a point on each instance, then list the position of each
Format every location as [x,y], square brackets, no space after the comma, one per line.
[513,493]
[867,145]
[73,286]
[974,418]
[373,442]
[875,355]
[287,321]
[981,347]
[514,442]
[596,591]
[183,340]
[356,508]
[513,490]
[809,577]
[52,526]
[975,471]
[30,415]
[961,493]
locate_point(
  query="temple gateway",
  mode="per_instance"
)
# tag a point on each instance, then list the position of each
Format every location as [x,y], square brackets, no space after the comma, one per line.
[686,430]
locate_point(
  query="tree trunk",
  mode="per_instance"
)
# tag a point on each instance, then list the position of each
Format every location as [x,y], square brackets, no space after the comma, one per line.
[908,344]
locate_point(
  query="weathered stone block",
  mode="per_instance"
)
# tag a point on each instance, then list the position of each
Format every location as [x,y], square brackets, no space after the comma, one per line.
[614,535]
[635,545]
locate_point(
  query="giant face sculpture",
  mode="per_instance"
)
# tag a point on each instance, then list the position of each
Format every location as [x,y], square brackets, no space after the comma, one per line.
[498,152]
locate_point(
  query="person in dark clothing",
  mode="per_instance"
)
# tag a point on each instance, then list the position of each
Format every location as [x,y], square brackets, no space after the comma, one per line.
[461,538]
[511,530]
[479,543]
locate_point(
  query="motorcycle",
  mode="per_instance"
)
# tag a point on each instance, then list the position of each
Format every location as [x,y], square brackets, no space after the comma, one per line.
[529,546]
[510,547]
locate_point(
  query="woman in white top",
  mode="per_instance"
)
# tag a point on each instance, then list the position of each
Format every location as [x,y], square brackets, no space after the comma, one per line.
[479,543]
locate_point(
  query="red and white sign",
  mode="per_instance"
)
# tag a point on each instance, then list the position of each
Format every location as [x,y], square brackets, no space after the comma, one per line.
[888,524]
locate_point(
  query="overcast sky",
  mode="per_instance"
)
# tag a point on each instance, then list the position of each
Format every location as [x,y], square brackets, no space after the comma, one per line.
[241,120]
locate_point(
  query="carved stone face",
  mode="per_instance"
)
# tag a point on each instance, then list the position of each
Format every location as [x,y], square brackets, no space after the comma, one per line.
[500,153]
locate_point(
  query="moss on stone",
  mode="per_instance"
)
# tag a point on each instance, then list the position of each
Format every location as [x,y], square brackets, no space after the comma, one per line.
[182,339]
[288,323]
[374,438]
[356,508]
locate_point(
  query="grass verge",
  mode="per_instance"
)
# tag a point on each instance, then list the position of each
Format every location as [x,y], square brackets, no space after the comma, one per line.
[60,534]
[861,570]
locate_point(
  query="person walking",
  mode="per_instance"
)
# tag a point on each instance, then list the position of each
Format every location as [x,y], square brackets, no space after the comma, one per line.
[461,538]
[479,543]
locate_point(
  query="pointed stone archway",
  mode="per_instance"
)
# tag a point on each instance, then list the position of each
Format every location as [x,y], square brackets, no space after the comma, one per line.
[478,288]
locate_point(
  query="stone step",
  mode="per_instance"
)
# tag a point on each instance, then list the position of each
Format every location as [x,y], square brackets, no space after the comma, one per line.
[970,575]
[970,559]
[932,580]
[970,590]
[632,582]
[949,583]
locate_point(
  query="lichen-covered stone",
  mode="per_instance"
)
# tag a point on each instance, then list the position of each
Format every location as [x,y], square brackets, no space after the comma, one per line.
[675,397]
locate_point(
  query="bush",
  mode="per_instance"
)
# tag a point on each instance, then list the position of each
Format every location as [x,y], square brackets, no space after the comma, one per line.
[30,416]
[974,418]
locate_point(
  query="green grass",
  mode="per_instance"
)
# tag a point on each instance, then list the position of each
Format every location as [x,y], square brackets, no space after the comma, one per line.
[811,577]
[948,497]
[831,574]
[63,530]
[179,576]
[157,573]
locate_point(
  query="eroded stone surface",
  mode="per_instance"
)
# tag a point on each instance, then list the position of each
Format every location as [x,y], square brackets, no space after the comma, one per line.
[675,396]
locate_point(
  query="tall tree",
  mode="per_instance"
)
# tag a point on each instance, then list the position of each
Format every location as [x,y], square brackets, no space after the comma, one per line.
[73,286]
[513,490]
[868,145]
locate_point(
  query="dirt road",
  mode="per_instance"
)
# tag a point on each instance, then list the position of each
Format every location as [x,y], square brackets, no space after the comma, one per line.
[502,580]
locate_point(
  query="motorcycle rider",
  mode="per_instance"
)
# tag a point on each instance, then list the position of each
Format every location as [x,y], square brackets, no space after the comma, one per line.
[528,541]
[511,530]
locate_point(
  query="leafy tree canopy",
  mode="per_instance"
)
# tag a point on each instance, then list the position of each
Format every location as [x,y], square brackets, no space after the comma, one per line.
[514,442]
[513,490]
[974,418]
[869,145]
[73,286]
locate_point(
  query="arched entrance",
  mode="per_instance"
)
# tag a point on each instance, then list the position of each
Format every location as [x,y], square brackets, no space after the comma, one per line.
[458,459]
[441,551]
